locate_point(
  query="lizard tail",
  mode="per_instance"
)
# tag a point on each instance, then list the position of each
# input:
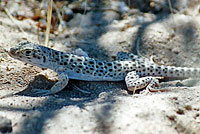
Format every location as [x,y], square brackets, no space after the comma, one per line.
[172,71]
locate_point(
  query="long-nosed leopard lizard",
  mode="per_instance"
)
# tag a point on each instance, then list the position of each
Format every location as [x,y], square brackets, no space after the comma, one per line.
[138,72]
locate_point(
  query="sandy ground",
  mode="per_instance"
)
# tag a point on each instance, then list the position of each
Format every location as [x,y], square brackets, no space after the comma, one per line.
[109,108]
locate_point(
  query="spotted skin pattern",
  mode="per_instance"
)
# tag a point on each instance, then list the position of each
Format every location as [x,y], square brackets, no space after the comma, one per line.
[138,72]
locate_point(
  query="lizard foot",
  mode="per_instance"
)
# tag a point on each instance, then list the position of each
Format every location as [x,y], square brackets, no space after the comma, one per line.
[42,92]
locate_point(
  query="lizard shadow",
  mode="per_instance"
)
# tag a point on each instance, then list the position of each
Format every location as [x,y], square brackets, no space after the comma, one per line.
[102,93]
[90,90]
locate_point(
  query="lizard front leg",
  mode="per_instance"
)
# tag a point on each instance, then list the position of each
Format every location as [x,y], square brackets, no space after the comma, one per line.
[61,84]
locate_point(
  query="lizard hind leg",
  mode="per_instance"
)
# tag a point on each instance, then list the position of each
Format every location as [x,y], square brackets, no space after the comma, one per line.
[134,83]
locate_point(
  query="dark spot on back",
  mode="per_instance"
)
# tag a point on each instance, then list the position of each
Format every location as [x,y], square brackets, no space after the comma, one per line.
[151,66]
[91,68]
[110,70]
[101,71]
[100,63]
[79,59]
[44,59]
[56,53]
[80,66]
[91,62]
[109,64]
[118,64]
[66,56]
[88,71]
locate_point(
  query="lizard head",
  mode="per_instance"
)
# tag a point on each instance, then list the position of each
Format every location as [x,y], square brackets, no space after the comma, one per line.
[29,52]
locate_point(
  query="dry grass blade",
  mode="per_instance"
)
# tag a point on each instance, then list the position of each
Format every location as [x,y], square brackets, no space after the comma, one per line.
[170,6]
[172,10]
[62,23]
[49,14]
[14,21]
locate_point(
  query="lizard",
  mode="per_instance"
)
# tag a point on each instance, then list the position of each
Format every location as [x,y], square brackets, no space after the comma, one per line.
[138,72]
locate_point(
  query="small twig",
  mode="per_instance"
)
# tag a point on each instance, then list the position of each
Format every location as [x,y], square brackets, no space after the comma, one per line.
[59,15]
[172,10]
[42,4]
[80,90]
[138,47]
[85,9]
[14,21]
[170,6]
[8,95]
[129,3]
[38,30]
[38,35]
[49,14]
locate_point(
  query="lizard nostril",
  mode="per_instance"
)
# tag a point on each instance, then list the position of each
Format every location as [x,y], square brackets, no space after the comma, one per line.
[12,51]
